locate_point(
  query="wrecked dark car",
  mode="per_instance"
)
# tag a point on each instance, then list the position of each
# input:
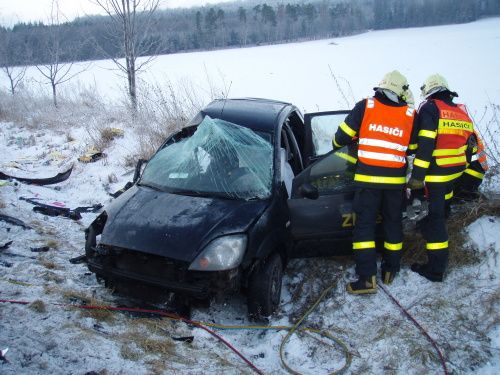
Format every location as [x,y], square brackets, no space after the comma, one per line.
[226,201]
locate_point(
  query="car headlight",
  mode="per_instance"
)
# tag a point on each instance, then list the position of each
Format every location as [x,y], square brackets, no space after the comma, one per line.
[223,253]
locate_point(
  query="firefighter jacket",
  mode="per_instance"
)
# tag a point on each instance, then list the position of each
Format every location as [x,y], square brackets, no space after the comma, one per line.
[478,162]
[383,130]
[444,129]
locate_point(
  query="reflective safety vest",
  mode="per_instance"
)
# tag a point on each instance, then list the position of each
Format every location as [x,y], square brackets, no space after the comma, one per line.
[385,134]
[454,129]
[480,153]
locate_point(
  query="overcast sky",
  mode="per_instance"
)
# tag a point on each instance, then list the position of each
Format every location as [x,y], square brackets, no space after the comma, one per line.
[12,11]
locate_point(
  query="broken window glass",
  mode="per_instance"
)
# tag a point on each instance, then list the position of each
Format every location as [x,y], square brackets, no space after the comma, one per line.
[219,159]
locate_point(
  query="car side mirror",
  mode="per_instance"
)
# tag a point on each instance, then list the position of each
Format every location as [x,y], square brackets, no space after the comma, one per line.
[138,169]
[308,191]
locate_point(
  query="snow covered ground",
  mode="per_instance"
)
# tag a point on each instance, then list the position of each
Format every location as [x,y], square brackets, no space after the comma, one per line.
[461,314]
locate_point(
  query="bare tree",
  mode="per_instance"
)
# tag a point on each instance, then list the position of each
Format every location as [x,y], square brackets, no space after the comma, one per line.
[131,26]
[55,70]
[12,60]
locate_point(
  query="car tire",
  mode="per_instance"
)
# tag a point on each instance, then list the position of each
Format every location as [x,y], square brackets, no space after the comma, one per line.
[264,287]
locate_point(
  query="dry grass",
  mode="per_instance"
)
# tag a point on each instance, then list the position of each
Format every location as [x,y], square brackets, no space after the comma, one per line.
[38,306]
[49,264]
[52,277]
[53,244]
[80,298]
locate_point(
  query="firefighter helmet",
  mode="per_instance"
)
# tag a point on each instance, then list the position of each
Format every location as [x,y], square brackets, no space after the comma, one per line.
[435,83]
[395,82]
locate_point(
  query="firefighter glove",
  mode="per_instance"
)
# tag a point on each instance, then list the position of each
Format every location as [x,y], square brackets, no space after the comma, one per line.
[415,184]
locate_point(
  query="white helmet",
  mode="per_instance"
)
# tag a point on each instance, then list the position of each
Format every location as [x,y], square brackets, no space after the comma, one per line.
[435,83]
[395,82]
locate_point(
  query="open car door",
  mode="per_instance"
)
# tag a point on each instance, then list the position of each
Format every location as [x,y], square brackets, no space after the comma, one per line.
[320,206]
[323,226]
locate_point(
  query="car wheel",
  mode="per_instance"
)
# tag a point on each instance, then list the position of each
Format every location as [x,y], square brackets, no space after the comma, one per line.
[264,288]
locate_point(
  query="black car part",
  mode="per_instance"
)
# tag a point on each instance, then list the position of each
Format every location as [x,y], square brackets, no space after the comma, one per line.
[60,177]
[14,221]
[52,210]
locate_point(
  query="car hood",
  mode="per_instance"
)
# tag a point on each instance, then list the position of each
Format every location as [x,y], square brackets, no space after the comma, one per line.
[172,225]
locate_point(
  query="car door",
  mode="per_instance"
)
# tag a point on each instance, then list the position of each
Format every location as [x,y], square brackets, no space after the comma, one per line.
[323,225]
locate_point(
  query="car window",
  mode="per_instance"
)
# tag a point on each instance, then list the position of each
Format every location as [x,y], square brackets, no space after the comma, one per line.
[323,127]
[219,159]
[333,173]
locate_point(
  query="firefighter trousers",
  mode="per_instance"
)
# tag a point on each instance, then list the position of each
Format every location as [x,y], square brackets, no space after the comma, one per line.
[367,205]
[434,231]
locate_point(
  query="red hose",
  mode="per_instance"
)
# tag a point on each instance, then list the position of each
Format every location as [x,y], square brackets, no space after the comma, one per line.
[409,316]
[156,312]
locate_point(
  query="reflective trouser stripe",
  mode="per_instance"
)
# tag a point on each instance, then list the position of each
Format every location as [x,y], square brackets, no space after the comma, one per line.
[421,163]
[393,246]
[379,179]
[347,129]
[427,133]
[447,178]
[413,146]
[437,245]
[474,173]
[363,245]
[448,196]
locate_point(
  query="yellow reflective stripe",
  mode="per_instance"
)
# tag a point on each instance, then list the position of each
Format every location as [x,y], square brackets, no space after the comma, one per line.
[446,178]
[412,146]
[454,160]
[344,156]
[393,246]
[449,151]
[474,173]
[448,196]
[421,163]
[335,143]
[347,129]
[427,133]
[437,245]
[379,179]
[447,124]
[363,245]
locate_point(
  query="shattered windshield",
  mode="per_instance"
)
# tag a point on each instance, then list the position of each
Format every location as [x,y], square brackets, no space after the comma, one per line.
[219,159]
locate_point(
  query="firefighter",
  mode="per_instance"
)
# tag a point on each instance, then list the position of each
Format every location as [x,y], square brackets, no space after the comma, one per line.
[444,130]
[382,125]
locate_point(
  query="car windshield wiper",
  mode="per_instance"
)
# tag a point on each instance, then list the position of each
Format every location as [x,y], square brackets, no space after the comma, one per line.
[154,187]
[196,193]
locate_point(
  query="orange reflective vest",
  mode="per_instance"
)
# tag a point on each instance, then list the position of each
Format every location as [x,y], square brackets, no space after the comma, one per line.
[480,154]
[385,134]
[454,129]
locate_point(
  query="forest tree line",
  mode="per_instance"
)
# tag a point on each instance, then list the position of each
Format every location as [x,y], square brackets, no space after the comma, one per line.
[232,25]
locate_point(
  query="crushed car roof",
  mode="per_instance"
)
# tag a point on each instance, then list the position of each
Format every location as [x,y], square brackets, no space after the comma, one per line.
[254,113]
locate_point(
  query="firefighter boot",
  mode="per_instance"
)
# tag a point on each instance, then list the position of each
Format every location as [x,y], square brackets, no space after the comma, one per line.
[426,271]
[364,285]
[388,277]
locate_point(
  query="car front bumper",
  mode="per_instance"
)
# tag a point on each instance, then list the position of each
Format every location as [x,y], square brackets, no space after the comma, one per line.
[116,264]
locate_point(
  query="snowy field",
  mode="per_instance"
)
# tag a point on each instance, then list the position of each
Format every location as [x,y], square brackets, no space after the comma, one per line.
[461,314]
